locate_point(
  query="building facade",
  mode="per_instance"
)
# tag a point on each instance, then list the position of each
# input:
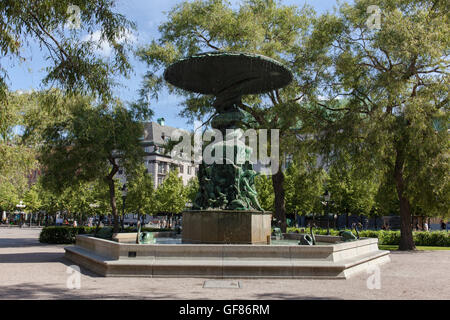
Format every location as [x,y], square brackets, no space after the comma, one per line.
[158,164]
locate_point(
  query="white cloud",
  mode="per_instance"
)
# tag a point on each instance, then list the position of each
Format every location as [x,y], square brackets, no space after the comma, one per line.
[104,48]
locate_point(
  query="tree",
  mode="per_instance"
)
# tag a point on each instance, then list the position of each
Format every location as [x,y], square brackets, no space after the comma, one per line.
[74,65]
[141,192]
[8,196]
[192,189]
[17,159]
[32,201]
[353,191]
[50,202]
[257,26]
[171,195]
[304,187]
[395,81]
[91,146]
[266,195]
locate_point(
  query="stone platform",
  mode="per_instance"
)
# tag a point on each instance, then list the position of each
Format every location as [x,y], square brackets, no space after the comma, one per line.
[333,261]
[226,226]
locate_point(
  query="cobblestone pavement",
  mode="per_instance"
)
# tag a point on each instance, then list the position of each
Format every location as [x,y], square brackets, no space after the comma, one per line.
[30,270]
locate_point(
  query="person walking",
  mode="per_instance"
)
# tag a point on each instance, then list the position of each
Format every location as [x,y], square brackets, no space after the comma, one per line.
[425,226]
[443,225]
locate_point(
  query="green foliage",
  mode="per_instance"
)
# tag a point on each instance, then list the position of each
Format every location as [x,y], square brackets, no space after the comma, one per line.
[171,195]
[421,238]
[105,233]
[192,189]
[62,235]
[304,185]
[32,200]
[17,158]
[141,192]
[90,146]
[353,190]
[384,93]
[101,140]
[266,195]
[74,64]
[67,235]
[8,196]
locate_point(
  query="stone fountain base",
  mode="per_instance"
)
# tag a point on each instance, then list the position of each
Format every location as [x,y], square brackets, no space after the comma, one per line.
[327,261]
[226,227]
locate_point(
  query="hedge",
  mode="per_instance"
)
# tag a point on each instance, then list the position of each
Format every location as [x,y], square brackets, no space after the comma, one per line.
[421,238]
[67,234]
[62,235]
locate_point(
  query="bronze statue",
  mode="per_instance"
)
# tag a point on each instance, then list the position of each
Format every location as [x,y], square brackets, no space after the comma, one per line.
[228,76]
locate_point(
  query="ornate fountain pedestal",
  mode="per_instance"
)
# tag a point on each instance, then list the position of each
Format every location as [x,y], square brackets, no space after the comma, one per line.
[226,209]
[226,226]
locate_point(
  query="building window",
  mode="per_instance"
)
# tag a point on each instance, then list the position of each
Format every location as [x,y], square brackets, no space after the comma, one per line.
[189,169]
[181,168]
[162,167]
[160,180]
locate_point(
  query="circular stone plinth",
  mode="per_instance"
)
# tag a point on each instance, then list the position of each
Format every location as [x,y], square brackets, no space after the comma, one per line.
[218,73]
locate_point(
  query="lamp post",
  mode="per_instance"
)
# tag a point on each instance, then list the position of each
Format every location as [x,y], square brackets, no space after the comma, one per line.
[94,206]
[327,197]
[21,206]
[124,198]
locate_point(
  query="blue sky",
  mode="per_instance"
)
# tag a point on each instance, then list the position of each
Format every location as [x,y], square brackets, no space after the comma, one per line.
[147,14]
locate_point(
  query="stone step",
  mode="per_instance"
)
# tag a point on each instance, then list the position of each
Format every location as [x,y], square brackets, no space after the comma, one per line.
[224,267]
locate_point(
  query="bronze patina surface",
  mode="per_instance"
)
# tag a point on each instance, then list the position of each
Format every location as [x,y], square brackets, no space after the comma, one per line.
[228,76]
[215,73]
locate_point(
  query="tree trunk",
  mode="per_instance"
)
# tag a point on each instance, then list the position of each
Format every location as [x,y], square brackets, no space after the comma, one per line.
[100,218]
[278,188]
[406,236]
[138,225]
[112,200]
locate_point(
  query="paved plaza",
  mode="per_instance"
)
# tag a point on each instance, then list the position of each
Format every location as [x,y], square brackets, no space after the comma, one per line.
[30,270]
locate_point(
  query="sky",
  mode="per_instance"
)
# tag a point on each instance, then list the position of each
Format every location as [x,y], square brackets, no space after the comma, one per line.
[147,14]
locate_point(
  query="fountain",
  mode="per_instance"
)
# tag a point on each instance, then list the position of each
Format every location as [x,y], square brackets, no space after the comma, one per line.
[227,234]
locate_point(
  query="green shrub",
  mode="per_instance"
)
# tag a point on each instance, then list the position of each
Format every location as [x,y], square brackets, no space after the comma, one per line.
[435,238]
[421,238]
[105,233]
[67,234]
[62,235]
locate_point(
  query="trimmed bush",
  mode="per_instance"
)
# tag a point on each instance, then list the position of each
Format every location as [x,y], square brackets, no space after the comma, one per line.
[435,238]
[421,238]
[105,233]
[67,234]
[62,235]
